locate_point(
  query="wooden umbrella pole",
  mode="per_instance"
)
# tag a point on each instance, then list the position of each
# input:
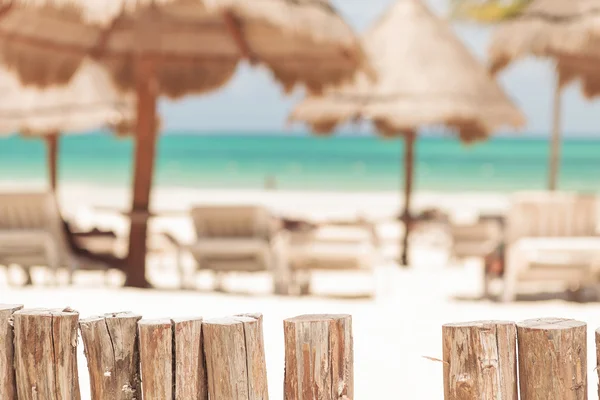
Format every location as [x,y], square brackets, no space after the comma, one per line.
[145,149]
[409,165]
[52,158]
[556,137]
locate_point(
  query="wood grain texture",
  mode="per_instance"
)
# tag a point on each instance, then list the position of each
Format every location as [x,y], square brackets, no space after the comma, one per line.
[552,359]
[8,385]
[597,337]
[235,358]
[156,356]
[111,348]
[255,356]
[46,354]
[319,358]
[480,361]
[190,365]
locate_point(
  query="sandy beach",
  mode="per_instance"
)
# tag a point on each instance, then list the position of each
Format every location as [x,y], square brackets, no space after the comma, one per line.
[393,332]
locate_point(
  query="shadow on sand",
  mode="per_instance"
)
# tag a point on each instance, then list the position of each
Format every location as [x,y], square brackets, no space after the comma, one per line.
[574,296]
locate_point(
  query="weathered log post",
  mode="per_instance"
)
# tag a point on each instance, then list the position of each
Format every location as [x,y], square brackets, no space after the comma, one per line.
[235,358]
[156,355]
[190,364]
[319,358]
[46,354]
[598,357]
[172,359]
[552,359]
[480,360]
[8,384]
[111,348]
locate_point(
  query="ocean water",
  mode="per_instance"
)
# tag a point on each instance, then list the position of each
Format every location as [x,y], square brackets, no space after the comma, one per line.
[341,163]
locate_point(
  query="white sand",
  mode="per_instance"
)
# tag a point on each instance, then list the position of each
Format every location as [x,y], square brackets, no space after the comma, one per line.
[392,333]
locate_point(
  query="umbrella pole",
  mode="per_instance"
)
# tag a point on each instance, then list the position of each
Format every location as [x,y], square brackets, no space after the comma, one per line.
[145,148]
[52,158]
[409,164]
[556,138]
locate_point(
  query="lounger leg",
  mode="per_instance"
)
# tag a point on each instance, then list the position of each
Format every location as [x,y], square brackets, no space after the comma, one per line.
[179,260]
[107,277]
[28,280]
[486,284]
[515,262]
[304,282]
[218,285]
[72,268]
[281,279]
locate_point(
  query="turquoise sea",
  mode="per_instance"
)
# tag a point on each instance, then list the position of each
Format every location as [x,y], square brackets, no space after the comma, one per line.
[340,163]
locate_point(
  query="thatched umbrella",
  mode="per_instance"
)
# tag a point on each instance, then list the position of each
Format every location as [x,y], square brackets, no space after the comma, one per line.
[425,77]
[174,48]
[90,101]
[567,32]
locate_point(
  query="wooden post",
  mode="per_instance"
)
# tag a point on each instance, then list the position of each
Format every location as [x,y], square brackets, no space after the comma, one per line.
[46,354]
[598,357]
[52,158]
[556,137]
[111,348]
[156,355]
[190,365]
[235,358]
[480,361]
[319,359]
[8,387]
[552,359]
[409,166]
[145,149]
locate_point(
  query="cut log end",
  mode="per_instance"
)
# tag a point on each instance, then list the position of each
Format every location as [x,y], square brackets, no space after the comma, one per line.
[478,324]
[551,324]
[10,307]
[318,318]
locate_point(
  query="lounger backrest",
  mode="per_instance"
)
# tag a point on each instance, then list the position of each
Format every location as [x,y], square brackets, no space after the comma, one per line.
[552,215]
[33,211]
[231,221]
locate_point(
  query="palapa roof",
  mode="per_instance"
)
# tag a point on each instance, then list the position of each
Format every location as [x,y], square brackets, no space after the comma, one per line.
[196,44]
[90,101]
[426,76]
[566,31]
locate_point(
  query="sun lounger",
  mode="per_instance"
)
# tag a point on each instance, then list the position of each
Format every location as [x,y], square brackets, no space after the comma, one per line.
[31,234]
[550,237]
[476,239]
[339,247]
[236,239]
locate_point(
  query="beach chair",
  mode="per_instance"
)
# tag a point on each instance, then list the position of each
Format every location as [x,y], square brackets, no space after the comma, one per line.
[31,234]
[474,240]
[236,239]
[332,247]
[550,238]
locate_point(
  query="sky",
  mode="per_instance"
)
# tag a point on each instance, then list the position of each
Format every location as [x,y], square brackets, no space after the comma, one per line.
[254,102]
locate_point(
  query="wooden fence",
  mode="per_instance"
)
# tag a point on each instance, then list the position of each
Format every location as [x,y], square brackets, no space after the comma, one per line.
[538,359]
[130,358]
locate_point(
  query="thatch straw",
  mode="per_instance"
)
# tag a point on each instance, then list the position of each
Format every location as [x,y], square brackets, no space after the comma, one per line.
[566,31]
[425,77]
[90,101]
[196,44]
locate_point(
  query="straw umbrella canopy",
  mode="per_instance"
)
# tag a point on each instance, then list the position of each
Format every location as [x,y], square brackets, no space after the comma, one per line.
[174,48]
[425,77]
[90,101]
[567,32]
